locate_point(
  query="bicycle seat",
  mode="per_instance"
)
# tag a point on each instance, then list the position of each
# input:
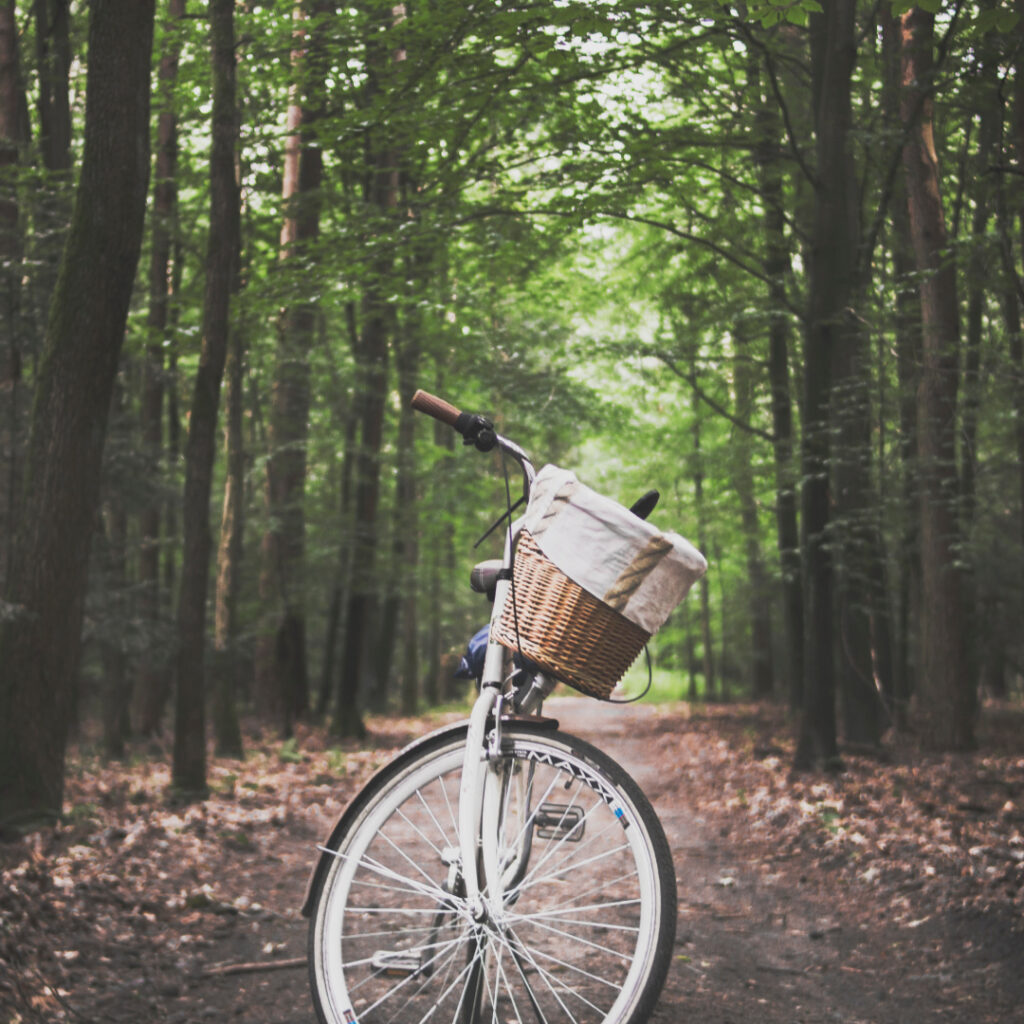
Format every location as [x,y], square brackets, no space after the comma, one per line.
[484,576]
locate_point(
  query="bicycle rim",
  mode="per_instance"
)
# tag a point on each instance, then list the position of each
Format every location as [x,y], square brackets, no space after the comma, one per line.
[579,929]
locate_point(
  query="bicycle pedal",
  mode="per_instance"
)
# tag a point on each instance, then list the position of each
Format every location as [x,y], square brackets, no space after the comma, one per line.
[396,963]
[557,821]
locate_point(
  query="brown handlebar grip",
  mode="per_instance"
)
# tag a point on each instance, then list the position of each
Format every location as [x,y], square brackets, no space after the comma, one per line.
[441,410]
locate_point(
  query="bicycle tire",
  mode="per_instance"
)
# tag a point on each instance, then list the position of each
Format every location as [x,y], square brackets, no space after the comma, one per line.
[588,908]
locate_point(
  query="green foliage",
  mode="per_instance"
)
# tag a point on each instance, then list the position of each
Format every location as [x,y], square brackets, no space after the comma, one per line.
[770,12]
[577,247]
[289,752]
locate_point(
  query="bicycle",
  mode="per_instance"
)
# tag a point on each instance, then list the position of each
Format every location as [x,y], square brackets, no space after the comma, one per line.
[498,869]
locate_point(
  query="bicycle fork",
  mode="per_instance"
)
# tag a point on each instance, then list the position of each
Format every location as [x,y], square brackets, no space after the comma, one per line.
[480,799]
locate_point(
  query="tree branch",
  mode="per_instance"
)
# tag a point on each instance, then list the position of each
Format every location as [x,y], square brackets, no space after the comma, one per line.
[691,379]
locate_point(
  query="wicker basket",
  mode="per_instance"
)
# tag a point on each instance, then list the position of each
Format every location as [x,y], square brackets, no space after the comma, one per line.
[565,630]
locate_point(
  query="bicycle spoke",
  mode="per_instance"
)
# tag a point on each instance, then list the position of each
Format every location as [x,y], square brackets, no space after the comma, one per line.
[544,926]
[511,994]
[448,840]
[454,944]
[432,891]
[603,886]
[550,916]
[397,943]
[567,868]
[439,946]
[553,851]
[546,977]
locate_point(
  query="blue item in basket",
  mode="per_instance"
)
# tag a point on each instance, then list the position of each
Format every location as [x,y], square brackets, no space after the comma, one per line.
[471,665]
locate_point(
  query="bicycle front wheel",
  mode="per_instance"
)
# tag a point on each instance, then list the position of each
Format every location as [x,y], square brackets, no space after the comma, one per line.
[580,922]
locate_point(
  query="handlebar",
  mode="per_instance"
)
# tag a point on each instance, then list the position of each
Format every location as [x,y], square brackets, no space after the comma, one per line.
[475,430]
[441,410]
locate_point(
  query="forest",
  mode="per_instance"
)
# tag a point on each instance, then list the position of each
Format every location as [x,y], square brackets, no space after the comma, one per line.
[763,256]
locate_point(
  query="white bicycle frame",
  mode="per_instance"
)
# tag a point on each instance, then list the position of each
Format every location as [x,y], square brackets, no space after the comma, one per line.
[480,791]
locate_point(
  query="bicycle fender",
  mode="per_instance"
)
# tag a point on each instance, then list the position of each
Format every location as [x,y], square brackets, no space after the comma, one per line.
[408,753]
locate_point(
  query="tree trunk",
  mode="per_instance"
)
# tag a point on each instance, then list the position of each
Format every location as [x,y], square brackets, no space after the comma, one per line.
[776,267]
[438,682]
[947,692]
[189,775]
[371,366]
[399,629]
[859,593]
[53,58]
[115,689]
[1016,338]
[154,684]
[13,132]
[907,319]
[39,649]
[52,201]
[371,363]
[338,607]
[762,677]
[226,731]
[833,52]
[707,640]
[282,682]
[407,509]
[985,638]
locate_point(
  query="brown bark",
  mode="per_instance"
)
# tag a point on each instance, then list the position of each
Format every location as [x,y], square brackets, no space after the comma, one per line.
[406,512]
[707,639]
[398,634]
[438,683]
[907,317]
[860,597]
[776,266]
[39,650]
[189,772]
[833,249]
[53,59]
[985,640]
[282,682]
[115,687]
[226,730]
[371,363]
[154,684]
[338,605]
[762,676]
[1016,338]
[775,100]
[946,692]
[12,138]
[52,201]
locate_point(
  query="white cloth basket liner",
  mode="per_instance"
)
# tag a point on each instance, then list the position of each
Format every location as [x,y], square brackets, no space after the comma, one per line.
[622,560]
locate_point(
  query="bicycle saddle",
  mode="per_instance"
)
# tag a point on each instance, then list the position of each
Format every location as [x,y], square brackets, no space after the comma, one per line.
[484,577]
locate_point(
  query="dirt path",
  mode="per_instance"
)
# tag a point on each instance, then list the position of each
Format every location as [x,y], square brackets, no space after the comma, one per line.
[762,942]
[764,935]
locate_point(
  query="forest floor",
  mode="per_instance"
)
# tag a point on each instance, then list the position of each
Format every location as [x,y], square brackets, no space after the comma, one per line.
[890,893]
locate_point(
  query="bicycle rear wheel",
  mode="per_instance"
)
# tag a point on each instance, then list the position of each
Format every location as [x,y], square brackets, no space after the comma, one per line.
[582,931]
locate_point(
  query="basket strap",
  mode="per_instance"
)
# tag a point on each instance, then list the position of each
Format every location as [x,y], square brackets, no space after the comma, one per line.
[629,580]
